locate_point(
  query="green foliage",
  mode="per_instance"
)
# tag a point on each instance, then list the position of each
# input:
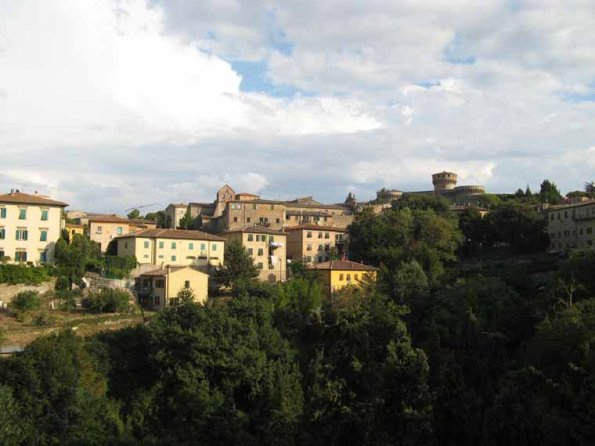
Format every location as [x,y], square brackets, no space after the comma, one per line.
[57,383]
[74,259]
[549,193]
[133,214]
[405,284]
[26,301]
[108,301]
[26,275]
[118,267]
[189,222]
[186,295]
[366,383]
[519,226]
[62,283]
[299,295]
[437,203]
[238,266]
[13,429]
[398,236]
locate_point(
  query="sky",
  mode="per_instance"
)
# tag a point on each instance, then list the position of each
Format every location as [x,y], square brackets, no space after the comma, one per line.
[114,104]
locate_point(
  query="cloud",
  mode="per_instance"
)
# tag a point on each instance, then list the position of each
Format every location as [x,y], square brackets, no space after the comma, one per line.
[111,104]
[90,73]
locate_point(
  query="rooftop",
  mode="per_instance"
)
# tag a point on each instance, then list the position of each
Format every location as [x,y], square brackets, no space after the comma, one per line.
[178,234]
[109,218]
[315,228]
[160,272]
[343,265]
[22,198]
[571,205]
[256,230]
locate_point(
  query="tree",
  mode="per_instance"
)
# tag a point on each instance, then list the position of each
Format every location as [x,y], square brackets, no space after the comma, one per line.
[74,259]
[590,188]
[13,428]
[549,193]
[520,226]
[160,217]
[237,267]
[366,384]
[133,214]
[397,236]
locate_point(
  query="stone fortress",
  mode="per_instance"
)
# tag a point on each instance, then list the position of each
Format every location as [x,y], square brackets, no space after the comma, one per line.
[445,185]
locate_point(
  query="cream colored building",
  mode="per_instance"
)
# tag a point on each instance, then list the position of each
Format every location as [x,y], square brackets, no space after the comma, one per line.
[74,229]
[571,226]
[30,226]
[102,229]
[267,248]
[158,289]
[173,247]
[313,244]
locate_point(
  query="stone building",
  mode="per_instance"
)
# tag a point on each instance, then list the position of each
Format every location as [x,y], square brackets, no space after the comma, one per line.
[571,226]
[313,244]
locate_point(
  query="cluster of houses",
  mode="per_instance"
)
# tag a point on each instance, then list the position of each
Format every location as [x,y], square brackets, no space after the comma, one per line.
[273,233]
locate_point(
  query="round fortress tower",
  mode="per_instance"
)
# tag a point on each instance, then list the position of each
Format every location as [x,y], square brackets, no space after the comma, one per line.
[444,181]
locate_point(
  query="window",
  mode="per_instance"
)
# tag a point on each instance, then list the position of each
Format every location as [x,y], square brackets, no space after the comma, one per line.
[43,235]
[327,248]
[260,251]
[271,238]
[173,245]
[254,206]
[43,256]
[146,256]
[589,230]
[248,219]
[160,256]
[173,258]
[125,245]
[2,212]
[250,251]
[22,234]
[2,233]
[203,246]
[22,213]
[320,259]
[235,219]
[309,248]
[190,245]
[159,283]
[213,247]
[272,207]
[320,247]
[278,220]
[327,235]
[160,245]
[348,277]
[187,284]
[320,235]
[250,237]
[565,214]
[99,230]
[146,244]
[589,243]
[355,276]
[309,235]
[341,276]
[2,253]
[44,214]
[156,300]
[119,230]
[259,265]
[20,256]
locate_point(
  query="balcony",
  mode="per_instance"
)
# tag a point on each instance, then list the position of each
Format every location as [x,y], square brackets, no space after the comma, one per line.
[275,245]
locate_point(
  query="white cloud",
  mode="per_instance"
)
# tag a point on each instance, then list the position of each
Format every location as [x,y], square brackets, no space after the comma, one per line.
[90,73]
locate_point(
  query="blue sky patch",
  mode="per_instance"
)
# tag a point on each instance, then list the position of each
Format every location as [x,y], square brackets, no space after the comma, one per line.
[255,79]
[454,53]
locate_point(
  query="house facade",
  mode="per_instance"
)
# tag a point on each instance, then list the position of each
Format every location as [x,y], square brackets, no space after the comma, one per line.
[313,244]
[173,247]
[30,226]
[338,274]
[267,248]
[158,289]
[571,226]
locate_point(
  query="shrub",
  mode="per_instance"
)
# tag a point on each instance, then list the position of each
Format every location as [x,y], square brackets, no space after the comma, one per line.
[42,319]
[108,301]
[21,274]
[26,301]
[62,283]
[118,267]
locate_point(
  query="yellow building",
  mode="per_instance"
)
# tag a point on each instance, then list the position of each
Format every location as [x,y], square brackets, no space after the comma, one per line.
[313,244]
[337,274]
[571,226]
[173,247]
[267,248]
[159,288]
[30,226]
[74,229]
[102,229]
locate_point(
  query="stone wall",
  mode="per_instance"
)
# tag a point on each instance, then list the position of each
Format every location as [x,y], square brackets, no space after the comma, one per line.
[7,292]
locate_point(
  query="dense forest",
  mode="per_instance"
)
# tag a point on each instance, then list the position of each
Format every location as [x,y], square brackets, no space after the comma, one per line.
[472,335]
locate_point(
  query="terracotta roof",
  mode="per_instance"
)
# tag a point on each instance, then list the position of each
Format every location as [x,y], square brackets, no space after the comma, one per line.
[294,204]
[246,194]
[73,225]
[22,198]
[255,230]
[179,234]
[309,213]
[571,205]
[343,265]
[163,271]
[315,228]
[109,218]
